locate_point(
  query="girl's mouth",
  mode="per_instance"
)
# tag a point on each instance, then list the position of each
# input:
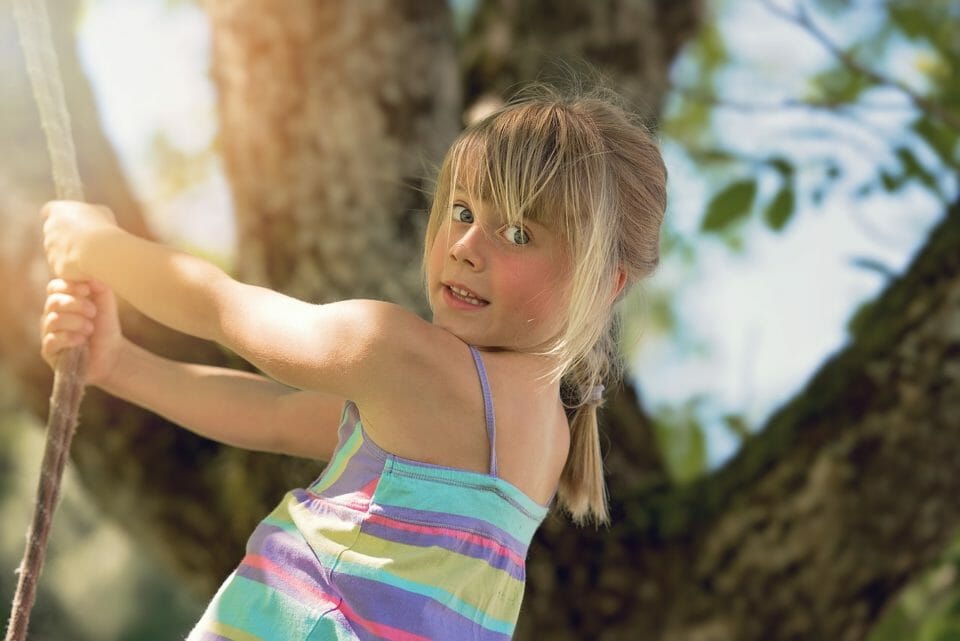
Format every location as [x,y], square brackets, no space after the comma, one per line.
[465,295]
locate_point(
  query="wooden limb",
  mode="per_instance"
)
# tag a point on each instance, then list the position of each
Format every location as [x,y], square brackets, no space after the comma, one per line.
[61,424]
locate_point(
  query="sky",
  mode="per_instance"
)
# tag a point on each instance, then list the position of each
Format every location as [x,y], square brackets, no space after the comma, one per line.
[756,324]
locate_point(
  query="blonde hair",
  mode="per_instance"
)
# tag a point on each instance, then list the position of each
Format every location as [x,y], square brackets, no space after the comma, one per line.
[586,167]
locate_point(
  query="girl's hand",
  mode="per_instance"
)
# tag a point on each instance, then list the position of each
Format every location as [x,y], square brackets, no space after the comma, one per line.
[66,224]
[78,313]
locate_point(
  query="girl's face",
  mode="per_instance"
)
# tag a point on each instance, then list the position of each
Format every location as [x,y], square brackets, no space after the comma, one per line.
[495,284]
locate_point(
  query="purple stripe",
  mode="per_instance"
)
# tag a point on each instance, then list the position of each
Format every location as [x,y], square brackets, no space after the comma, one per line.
[408,611]
[288,551]
[359,471]
[447,542]
[473,525]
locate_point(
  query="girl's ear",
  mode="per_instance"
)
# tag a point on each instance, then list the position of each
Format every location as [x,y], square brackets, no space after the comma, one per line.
[619,282]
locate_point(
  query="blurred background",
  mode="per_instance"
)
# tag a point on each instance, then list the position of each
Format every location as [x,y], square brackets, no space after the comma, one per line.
[812,148]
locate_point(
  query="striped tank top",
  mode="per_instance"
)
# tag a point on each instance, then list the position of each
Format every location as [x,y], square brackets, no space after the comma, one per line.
[383,547]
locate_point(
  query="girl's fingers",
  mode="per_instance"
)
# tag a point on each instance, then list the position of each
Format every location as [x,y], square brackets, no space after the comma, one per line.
[56,322]
[68,304]
[54,343]
[74,287]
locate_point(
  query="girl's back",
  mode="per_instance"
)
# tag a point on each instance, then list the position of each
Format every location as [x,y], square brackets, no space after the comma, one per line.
[426,543]
[432,410]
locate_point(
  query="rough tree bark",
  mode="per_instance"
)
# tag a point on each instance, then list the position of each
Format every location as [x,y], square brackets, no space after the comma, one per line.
[332,116]
[809,532]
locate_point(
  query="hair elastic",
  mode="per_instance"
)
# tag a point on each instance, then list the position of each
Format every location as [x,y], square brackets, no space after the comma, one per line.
[596,394]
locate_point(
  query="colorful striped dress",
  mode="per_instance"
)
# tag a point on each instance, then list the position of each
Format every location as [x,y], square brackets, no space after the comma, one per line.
[382,547]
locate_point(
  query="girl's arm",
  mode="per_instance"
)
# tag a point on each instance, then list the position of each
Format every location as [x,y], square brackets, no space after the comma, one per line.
[233,407]
[230,406]
[318,347]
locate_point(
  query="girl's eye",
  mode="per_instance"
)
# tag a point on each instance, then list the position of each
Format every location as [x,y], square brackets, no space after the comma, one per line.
[462,215]
[516,235]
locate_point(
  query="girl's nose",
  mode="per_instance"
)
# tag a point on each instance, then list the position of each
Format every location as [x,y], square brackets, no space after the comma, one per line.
[468,248]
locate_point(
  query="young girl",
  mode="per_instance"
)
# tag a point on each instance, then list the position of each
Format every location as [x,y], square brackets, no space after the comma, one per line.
[454,435]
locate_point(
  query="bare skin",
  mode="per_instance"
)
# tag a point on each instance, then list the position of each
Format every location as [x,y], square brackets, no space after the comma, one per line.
[413,381]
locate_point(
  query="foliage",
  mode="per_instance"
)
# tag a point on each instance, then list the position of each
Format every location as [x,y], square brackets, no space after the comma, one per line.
[912,111]
[884,113]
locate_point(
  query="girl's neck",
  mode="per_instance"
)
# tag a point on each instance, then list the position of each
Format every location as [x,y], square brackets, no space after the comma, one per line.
[528,365]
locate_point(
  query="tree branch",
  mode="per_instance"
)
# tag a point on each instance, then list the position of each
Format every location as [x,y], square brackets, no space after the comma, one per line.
[801,17]
[695,94]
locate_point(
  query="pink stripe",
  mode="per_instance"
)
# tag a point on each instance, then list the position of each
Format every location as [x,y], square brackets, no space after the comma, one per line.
[268,566]
[502,550]
[387,632]
[371,487]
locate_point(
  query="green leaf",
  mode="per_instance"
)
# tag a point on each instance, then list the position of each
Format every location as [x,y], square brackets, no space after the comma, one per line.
[783,166]
[710,49]
[913,20]
[731,205]
[781,208]
[838,86]
[912,167]
[889,181]
[688,121]
[737,424]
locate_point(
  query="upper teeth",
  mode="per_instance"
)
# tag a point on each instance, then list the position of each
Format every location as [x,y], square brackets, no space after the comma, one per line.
[465,294]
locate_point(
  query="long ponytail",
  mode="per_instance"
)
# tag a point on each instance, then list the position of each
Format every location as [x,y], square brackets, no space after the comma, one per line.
[582,491]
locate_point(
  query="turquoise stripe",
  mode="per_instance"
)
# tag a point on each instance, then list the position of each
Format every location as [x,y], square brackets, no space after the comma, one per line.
[254,607]
[455,492]
[331,626]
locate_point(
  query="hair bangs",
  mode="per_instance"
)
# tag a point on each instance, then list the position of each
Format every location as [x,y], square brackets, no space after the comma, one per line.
[524,163]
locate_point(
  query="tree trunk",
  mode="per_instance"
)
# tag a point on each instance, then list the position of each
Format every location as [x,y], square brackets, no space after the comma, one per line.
[123,454]
[633,42]
[846,494]
[332,116]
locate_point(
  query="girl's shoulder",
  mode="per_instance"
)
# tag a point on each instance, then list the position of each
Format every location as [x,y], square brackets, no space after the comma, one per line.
[395,344]
[390,328]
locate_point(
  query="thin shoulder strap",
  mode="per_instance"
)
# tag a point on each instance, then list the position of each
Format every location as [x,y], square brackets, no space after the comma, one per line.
[487,409]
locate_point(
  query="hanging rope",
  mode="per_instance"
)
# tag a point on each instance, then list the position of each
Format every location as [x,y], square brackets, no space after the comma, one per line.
[41,59]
